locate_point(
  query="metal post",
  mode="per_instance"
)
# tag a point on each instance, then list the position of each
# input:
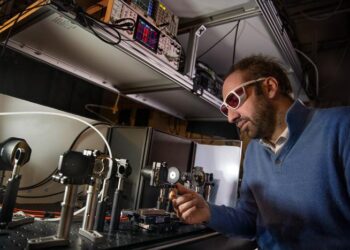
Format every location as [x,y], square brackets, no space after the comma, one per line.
[116,207]
[193,40]
[87,213]
[67,210]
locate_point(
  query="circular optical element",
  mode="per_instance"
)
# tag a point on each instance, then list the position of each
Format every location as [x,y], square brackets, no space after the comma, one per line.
[173,175]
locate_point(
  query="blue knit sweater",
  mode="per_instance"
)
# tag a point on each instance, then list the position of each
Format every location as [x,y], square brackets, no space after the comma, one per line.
[298,198]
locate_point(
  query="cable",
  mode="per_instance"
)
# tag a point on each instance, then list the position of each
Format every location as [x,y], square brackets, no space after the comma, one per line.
[66,116]
[4,46]
[122,24]
[235,43]
[87,107]
[40,183]
[108,41]
[217,42]
[322,18]
[70,117]
[83,131]
[46,2]
[49,177]
[118,24]
[313,64]
[39,196]
[14,22]
[3,3]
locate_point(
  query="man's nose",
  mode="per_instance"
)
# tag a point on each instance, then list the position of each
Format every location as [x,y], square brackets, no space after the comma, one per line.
[233,116]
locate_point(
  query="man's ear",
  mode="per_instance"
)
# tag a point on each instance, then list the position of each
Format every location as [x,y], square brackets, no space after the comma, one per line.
[270,87]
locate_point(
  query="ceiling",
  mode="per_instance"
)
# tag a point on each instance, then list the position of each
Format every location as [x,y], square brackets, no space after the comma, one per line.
[319,29]
[220,57]
[195,8]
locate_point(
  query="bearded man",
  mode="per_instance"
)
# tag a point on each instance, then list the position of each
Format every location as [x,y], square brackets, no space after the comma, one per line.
[295,192]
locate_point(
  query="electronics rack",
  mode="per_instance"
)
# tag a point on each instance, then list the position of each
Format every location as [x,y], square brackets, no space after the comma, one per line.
[164,17]
[159,13]
[155,27]
[208,80]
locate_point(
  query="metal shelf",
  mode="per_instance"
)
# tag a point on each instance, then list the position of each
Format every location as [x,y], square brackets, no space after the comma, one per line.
[55,38]
[128,68]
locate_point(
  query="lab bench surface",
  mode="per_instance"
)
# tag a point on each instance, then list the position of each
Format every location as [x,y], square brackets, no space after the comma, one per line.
[127,237]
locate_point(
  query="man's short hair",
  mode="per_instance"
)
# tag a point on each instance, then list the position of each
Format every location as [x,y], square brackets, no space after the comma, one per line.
[256,66]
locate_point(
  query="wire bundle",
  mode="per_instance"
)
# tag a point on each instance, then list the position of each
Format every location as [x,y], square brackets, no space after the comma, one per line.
[55,171]
[96,26]
[13,23]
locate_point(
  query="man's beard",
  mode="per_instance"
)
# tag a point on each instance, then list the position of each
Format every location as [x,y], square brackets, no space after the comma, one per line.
[262,123]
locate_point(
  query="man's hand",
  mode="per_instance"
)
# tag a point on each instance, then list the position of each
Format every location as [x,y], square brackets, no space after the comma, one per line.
[190,206]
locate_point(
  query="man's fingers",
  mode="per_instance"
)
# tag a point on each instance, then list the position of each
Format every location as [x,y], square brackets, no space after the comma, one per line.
[177,212]
[191,208]
[182,199]
[187,205]
[181,189]
[187,216]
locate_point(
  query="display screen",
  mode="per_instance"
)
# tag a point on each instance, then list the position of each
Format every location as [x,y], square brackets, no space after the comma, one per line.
[146,34]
